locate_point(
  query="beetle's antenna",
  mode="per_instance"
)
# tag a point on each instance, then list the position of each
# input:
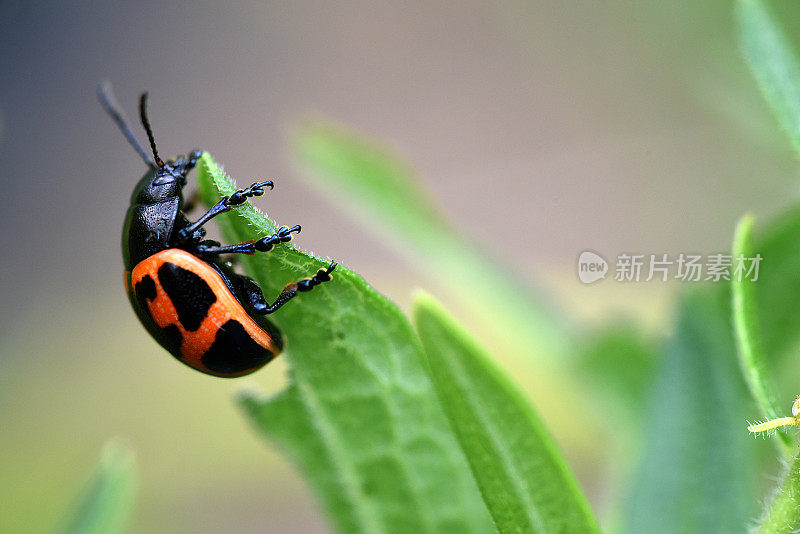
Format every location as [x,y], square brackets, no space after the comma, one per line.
[106,95]
[146,124]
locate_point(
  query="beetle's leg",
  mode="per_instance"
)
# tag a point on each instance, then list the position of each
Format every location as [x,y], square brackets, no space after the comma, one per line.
[255,298]
[225,204]
[265,244]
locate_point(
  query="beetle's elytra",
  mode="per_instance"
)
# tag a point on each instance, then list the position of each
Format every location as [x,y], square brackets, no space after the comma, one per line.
[191,300]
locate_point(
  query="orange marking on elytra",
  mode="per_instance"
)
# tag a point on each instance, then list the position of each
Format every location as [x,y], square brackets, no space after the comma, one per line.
[226,307]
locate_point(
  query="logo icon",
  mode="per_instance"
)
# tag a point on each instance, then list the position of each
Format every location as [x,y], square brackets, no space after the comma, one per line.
[591,267]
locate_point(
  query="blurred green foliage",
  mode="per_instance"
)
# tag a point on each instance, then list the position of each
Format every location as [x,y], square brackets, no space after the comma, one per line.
[695,442]
[108,499]
[773,62]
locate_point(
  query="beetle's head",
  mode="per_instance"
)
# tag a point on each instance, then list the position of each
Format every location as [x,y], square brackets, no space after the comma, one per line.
[164,179]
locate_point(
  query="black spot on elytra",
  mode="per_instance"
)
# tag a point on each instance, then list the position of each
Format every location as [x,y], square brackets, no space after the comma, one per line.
[190,294]
[234,351]
[170,338]
[145,289]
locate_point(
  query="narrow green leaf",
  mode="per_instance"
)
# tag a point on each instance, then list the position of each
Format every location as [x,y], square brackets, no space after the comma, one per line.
[109,497]
[748,331]
[380,185]
[360,416]
[524,480]
[783,513]
[773,62]
[698,468]
[777,290]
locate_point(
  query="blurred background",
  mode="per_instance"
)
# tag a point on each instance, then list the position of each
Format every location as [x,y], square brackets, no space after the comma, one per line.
[541,128]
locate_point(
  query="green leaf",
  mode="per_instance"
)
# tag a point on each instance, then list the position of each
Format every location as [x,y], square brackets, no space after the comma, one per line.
[783,513]
[524,480]
[773,62]
[385,191]
[360,416]
[777,290]
[748,330]
[109,497]
[698,470]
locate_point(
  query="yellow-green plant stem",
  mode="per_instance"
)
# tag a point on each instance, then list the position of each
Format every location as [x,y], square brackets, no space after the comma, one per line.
[783,513]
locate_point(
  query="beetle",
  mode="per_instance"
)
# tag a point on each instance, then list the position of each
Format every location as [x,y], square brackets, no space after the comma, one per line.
[191,301]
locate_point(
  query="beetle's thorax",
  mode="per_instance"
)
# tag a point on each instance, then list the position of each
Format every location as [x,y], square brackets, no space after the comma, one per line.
[155,206]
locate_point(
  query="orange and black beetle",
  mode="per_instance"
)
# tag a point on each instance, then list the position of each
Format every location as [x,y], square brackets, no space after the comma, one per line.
[193,303]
